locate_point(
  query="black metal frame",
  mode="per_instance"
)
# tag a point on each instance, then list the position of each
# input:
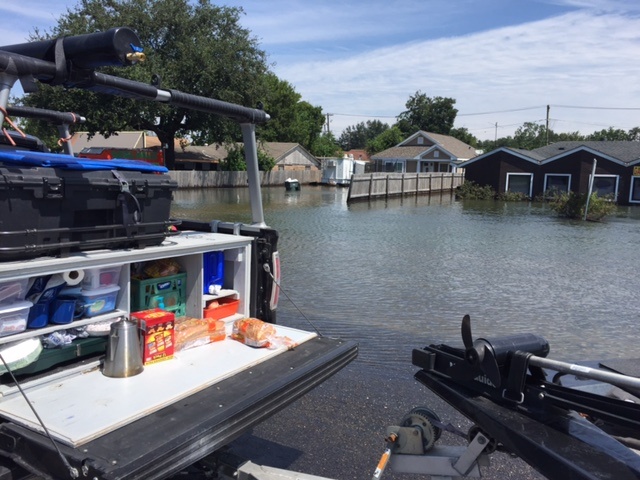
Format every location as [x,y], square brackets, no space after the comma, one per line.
[550,426]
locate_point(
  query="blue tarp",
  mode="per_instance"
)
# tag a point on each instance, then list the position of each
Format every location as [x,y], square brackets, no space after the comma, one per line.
[26,158]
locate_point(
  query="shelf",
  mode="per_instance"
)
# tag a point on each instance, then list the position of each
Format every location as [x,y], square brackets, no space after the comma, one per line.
[35,332]
[187,243]
[187,249]
[222,294]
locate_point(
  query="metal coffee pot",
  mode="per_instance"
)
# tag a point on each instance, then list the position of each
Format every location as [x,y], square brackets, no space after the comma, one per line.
[124,355]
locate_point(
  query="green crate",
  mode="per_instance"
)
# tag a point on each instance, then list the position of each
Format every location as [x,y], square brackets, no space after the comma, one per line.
[178,311]
[167,293]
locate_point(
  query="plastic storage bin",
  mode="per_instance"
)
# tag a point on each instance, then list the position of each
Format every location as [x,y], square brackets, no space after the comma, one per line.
[14,291]
[213,269]
[97,301]
[222,308]
[166,293]
[13,318]
[101,277]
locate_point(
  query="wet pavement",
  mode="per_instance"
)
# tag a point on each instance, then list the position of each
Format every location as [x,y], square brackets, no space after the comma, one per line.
[338,429]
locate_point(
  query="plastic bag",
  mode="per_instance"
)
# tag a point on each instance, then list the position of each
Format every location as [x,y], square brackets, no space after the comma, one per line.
[164,267]
[192,332]
[256,333]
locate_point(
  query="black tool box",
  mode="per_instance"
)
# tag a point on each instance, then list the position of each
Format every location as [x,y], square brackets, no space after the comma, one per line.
[56,204]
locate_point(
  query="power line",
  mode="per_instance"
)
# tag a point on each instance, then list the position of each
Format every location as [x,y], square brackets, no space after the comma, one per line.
[500,111]
[596,108]
[494,112]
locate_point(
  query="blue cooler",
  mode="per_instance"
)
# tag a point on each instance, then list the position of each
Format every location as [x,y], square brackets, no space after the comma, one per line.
[213,267]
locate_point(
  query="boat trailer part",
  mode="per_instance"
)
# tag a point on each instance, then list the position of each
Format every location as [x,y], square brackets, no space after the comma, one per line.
[584,431]
[411,448]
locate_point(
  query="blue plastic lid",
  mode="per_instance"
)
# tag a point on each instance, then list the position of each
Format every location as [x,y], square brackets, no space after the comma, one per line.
[27,158]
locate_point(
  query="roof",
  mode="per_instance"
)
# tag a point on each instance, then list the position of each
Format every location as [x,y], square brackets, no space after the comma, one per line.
[81,140]
[218,152]
[358,154]
[455,147]
[625,151]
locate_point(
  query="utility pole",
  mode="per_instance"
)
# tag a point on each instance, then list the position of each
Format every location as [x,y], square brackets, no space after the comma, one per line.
[547,129]
[328,121]
[495,138]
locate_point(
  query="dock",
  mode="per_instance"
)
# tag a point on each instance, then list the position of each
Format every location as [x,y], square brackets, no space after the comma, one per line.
[370,186]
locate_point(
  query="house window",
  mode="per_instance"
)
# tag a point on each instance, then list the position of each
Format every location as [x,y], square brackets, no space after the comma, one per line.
[556,183]
[393,167]
[634,196]
[520,183]
[444,167]
[420,140]
[605,185]
[436,154]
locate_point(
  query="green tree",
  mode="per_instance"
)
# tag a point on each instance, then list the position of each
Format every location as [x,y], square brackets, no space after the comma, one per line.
[195,47]
[435,114]
[235,160]
[609,134]
[326,145]
[634,134]
[358,135]
[387,139]
[464,135]
[292,120]
[308,122]
[530,135]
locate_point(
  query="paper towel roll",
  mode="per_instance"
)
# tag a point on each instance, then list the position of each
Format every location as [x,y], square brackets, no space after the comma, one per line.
[74,277]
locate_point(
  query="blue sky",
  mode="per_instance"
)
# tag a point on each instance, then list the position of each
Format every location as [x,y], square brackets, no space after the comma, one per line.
[503,61]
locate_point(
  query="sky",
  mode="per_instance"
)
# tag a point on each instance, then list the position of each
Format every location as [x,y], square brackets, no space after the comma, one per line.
[503,61]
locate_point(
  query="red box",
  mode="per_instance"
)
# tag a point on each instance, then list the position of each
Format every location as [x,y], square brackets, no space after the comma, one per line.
[157,328]
[219,309]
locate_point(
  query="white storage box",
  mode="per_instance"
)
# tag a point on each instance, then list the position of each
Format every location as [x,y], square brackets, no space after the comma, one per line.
[13,318]
[14,291]
[101,277]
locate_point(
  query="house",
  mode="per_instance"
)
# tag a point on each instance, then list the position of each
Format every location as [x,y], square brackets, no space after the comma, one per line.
[562,166]
[130,140]
[338,171]
[288,156]
[424,152]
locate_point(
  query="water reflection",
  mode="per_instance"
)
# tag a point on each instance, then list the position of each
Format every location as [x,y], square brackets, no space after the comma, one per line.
[398,273]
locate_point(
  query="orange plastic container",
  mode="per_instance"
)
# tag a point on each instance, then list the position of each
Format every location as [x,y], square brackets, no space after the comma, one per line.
[222,308]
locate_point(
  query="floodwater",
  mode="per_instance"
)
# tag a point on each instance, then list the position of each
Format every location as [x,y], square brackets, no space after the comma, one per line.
[396,274]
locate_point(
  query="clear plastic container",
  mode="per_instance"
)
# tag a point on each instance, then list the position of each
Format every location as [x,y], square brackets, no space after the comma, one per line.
[13,318]
[14,291]
[101,277]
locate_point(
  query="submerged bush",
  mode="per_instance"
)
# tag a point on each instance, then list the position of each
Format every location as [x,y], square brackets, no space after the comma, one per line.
[513,197]
[572,205]
[470,190]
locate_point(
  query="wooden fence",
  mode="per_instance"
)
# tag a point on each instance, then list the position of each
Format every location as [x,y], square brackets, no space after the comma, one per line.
[375,185]
[202,179]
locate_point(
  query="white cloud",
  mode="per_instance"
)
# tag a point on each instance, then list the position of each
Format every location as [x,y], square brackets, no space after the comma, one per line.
[579,59]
